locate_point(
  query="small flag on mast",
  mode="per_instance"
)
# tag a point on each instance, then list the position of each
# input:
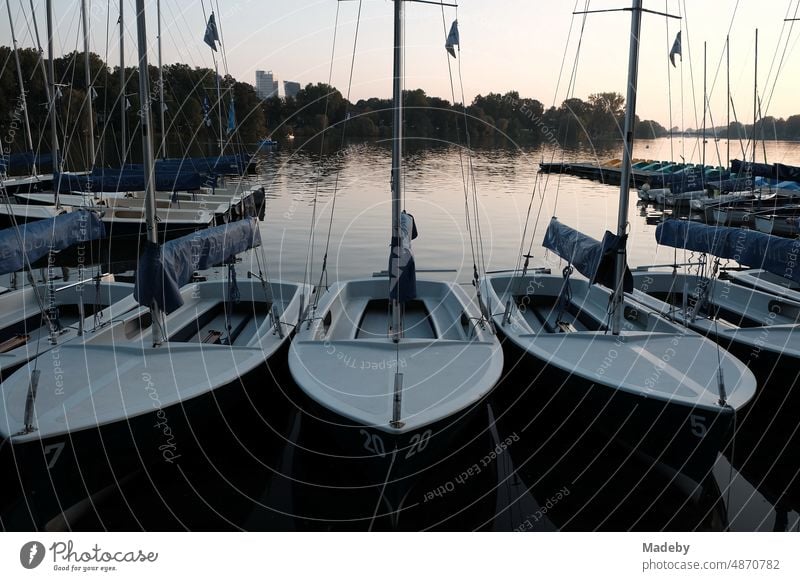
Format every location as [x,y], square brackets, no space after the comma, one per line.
[452,39]
[676,49]
[211,37]
[231,119]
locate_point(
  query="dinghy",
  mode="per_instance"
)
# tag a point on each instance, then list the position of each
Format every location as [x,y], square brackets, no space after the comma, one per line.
[394,367]
[760,328]
[37,318]
[667,392]
[145,389]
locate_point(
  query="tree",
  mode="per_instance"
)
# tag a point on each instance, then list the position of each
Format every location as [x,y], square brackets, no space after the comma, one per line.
[606,114]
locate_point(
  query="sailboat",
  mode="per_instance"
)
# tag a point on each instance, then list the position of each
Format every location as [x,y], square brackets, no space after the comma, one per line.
[37,318]
[109,190]
[669,393]
[29,159]
[146,387]
[12,214]
[394,367]
[759,326]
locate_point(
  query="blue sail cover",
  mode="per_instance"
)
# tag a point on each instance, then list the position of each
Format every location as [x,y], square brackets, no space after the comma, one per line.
[405,288]
[24,160]
[39,237]
[594,260]
[163,270]
[221,164]
[132,178]
[749,247]
[777,171]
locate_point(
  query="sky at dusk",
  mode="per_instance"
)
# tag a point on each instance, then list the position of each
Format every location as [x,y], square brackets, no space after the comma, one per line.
[506,45]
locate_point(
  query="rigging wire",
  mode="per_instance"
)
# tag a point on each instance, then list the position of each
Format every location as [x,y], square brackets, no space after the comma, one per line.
[324,271]
[691,74]
[309,267]
[669,80]
[683,121]
[481,266]
[464,173]
[521,253]
[782,58]
[569,93]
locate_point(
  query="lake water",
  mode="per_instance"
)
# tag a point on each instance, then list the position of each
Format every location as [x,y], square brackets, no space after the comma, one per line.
[504,178]
[556,476]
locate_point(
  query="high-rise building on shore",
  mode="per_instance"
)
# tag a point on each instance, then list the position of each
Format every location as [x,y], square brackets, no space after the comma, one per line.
[266,85]
[290,88]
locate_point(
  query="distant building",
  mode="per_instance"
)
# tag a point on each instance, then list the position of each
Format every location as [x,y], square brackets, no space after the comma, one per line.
[290,88]
[266,85]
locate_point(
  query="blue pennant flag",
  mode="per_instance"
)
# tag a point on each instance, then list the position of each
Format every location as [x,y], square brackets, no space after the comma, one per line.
[676,49]
[453,39]
[231,119]
[211,37]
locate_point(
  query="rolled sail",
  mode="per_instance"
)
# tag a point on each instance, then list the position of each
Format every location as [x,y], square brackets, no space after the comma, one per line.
[594,260]
[405,287]
[163,270]
[749,247]
[41,236]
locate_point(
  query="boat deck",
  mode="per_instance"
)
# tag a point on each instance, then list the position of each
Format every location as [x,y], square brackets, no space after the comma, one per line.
[376,319]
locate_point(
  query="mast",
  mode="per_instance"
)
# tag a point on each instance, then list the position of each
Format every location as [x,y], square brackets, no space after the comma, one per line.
[123,97]
[161,88]
[397,163]
[219,107]
[755,101]
[728,79]
[147,153]
[624,188]
[89,89]
[23,100]
[705,107]
[51,76]
[40,64]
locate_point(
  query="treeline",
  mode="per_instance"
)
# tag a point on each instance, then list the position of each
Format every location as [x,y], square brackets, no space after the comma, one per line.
[767,128]
[189,129]
[192,129]
[494,117]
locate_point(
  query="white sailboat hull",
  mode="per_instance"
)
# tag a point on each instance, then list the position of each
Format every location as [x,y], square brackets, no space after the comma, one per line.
[157,402]
[651,386]
[349,369]
[758,325]
[346,365]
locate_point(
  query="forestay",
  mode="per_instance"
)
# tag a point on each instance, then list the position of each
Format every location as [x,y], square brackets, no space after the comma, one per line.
[163,270]
[593,259]
[749,247]
[42,236]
